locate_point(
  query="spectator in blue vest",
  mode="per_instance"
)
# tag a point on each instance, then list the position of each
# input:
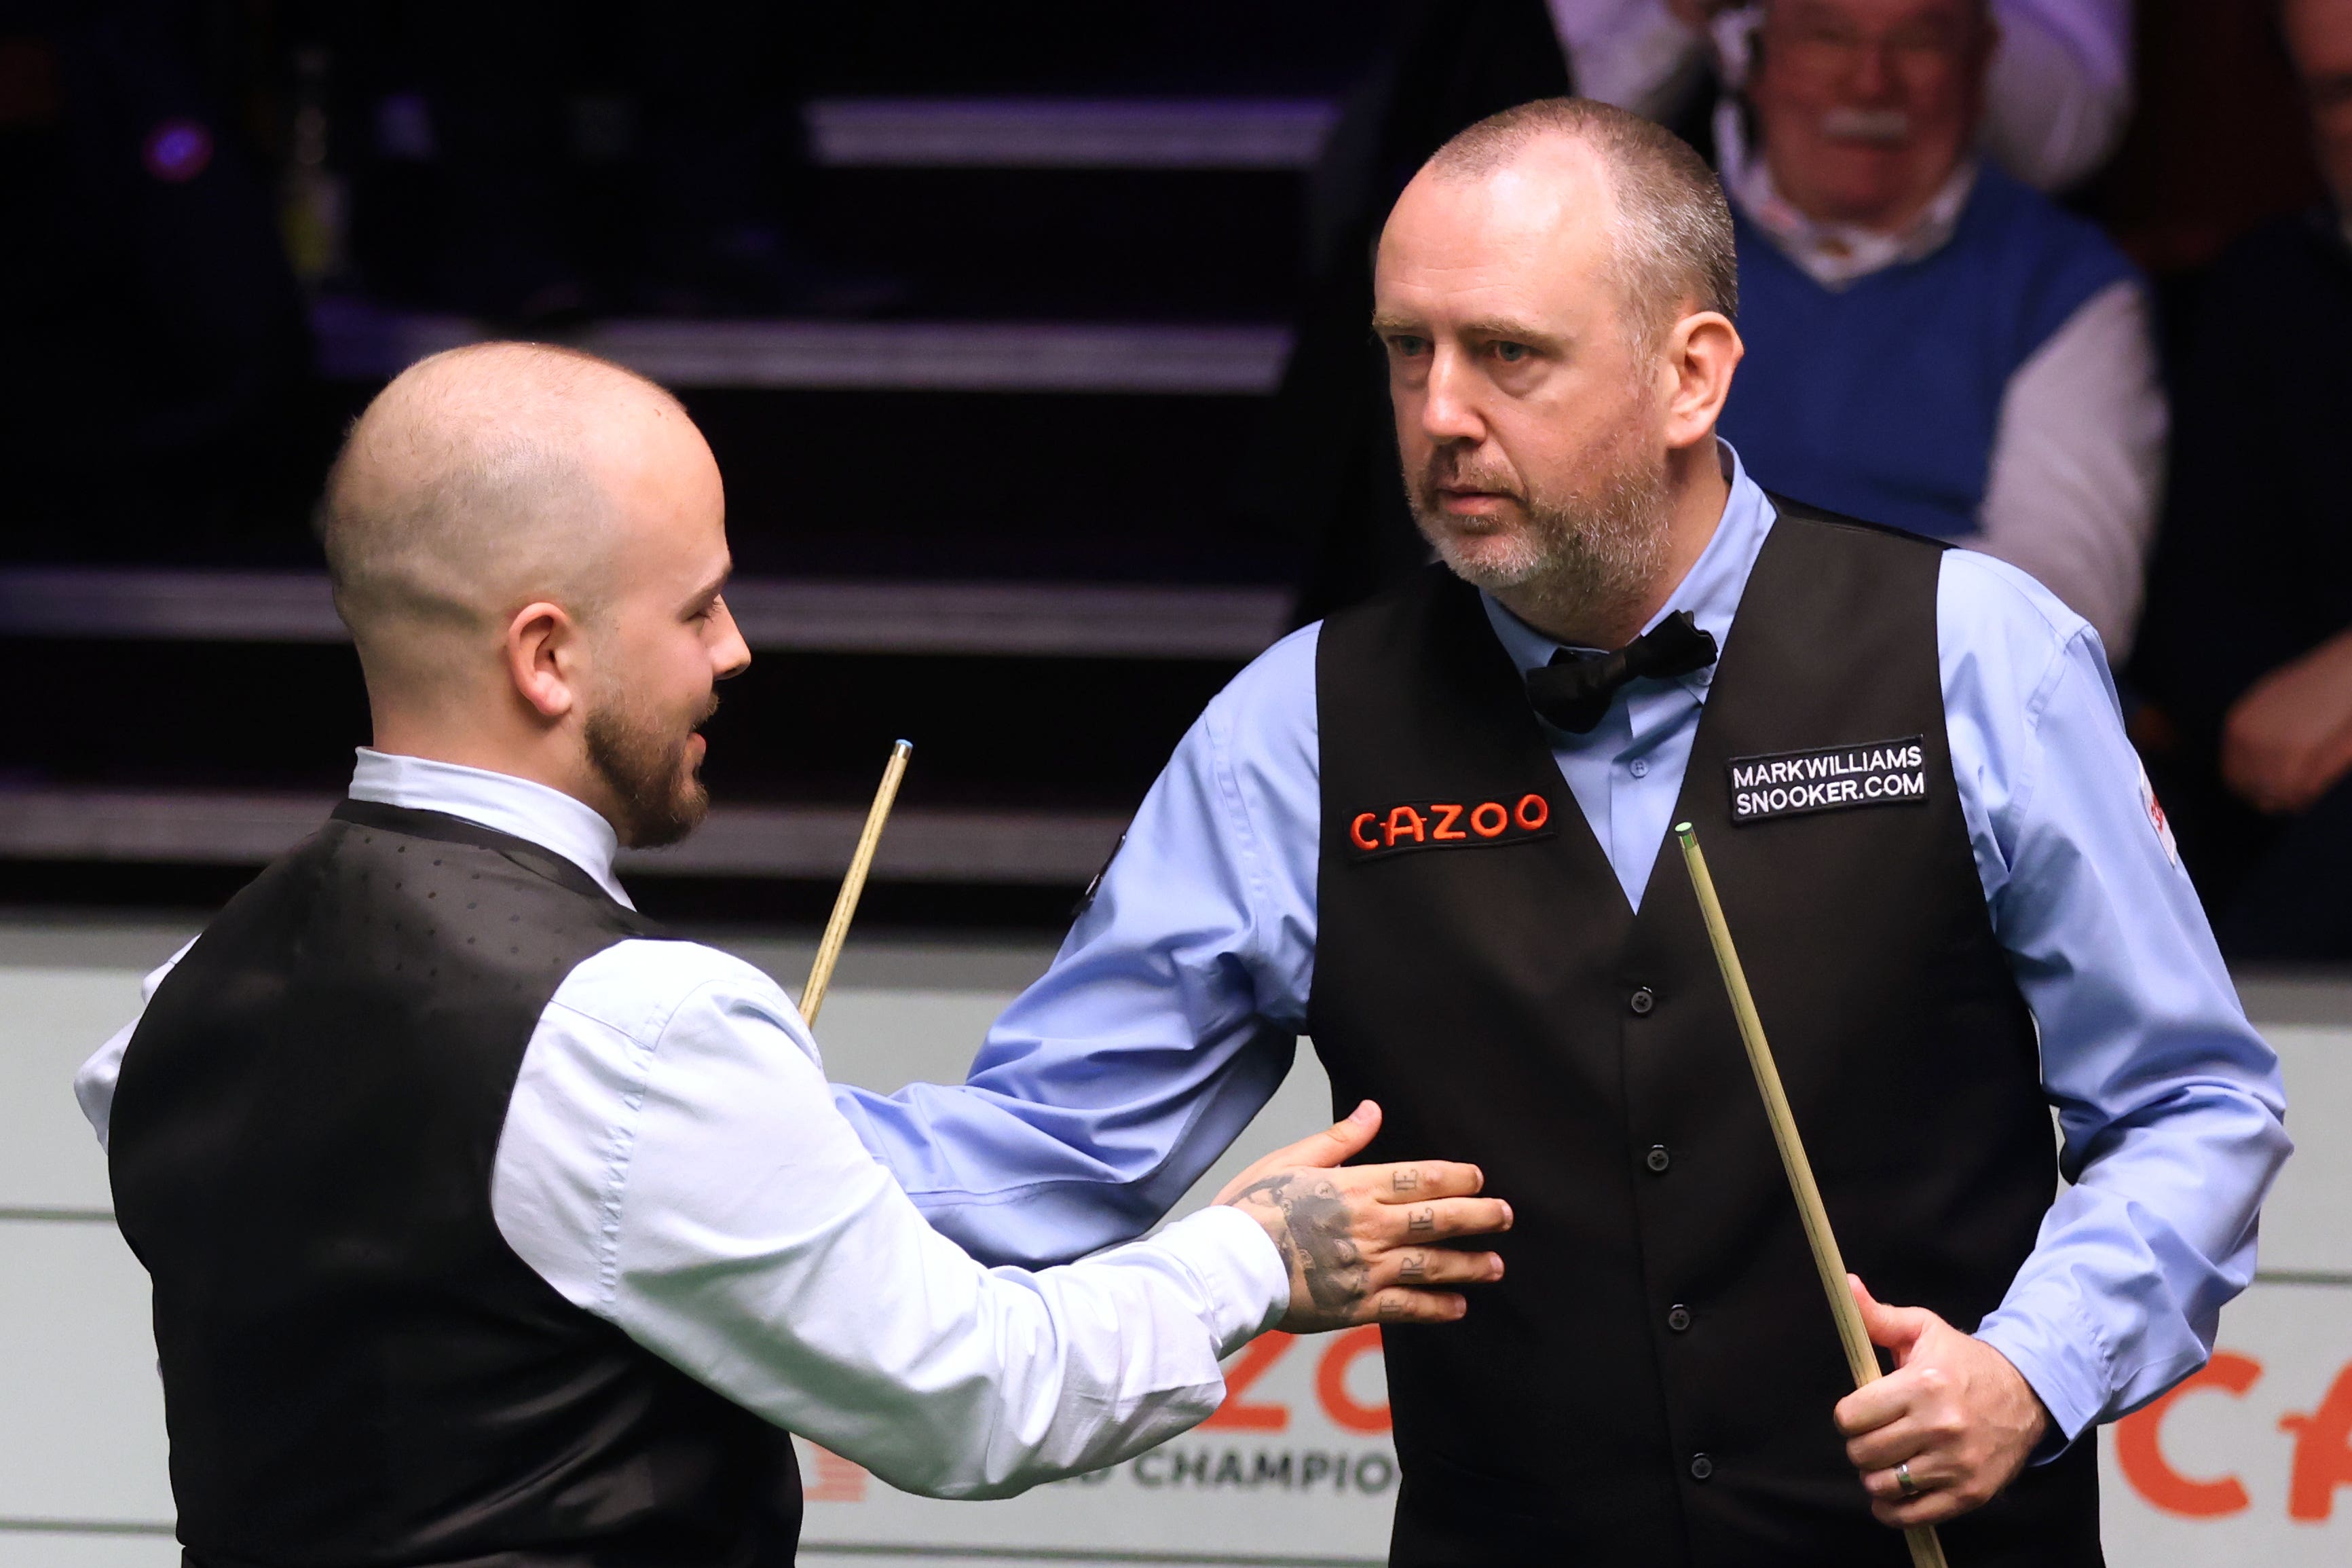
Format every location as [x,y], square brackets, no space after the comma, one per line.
[1930,343]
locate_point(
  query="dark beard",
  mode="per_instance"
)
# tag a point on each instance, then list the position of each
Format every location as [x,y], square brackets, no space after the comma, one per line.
[1589,553]
[644,763]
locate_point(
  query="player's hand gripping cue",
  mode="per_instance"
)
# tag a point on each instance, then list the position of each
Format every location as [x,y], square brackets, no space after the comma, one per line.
[1364,1243]
[1955,1413]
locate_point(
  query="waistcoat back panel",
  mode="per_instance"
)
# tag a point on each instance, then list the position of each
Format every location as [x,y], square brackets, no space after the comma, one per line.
[356,1367]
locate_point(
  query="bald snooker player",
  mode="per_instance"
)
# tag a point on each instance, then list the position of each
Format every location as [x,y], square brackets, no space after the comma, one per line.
[490,1225]
[1427,833]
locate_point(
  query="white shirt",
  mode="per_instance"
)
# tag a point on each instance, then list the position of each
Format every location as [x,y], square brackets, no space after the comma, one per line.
[672,1161]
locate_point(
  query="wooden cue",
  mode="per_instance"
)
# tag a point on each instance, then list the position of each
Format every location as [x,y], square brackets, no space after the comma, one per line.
[836,929]
[1926,1549]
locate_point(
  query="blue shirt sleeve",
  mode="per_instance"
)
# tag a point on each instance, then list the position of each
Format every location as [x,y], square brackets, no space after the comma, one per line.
[2169,1106]
[1167,1021]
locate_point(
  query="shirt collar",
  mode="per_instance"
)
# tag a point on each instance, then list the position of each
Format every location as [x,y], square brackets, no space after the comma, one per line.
[501,802]
[1710,591]
[1832,255]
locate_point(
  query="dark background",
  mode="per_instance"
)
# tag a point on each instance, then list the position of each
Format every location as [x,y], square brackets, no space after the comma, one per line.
[162,403]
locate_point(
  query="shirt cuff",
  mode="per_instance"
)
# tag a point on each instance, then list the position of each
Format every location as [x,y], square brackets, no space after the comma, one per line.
[1239,1268]
[2060,1355]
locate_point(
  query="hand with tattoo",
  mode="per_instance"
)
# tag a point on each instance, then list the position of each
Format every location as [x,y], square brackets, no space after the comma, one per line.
[1358,1240]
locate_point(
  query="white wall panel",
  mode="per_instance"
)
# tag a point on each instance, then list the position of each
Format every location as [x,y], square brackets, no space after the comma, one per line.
[81,1412]
[50,1021]
[80,1416]
[2307,1224]
[61,1549]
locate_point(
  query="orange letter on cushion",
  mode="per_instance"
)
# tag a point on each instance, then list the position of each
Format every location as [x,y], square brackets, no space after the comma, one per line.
[1262,1353]
[2140,1452]
[2323,1452]
[1331,1383]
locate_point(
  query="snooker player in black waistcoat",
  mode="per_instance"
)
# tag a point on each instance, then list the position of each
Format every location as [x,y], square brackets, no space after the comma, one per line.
[491,1226]
[1427,834]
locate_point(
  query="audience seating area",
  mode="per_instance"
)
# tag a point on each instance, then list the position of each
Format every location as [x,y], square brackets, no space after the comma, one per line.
[997,516]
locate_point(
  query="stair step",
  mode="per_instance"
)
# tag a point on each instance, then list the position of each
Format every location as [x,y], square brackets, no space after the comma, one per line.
[798,728]
[922,844]
[359,341]
[1067,133]
[1048,620]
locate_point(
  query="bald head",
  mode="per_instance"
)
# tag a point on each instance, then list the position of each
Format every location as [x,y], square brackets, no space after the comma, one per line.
[480,481]
[529,545]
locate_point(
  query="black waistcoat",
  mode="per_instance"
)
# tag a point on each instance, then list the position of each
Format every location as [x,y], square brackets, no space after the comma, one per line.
[357,1369]
[1652,1381]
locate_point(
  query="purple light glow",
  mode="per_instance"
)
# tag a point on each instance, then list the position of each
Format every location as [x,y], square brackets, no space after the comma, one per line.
[177,151]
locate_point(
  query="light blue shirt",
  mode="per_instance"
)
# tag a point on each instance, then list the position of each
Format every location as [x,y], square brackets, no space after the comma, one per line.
[1172,1011]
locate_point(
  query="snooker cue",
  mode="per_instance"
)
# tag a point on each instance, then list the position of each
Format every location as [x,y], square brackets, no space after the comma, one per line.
[836,927]
[1926,1549]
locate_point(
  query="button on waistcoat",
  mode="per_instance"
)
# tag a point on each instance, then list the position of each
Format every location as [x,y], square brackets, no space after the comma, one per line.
[356,1367]
[1652,1380]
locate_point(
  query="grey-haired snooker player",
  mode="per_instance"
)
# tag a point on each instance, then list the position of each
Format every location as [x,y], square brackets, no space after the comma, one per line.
[1427,834]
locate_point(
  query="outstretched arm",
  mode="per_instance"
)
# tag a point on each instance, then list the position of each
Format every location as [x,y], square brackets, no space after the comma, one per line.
[1167,1021]
[671,1163]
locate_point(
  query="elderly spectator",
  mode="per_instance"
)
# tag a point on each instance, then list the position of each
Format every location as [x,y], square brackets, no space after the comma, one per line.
[2251,621]
[2055,105]
[1931,343]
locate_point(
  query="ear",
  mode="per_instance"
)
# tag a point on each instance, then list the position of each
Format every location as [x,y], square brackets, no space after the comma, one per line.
[544,651]
[1702,351]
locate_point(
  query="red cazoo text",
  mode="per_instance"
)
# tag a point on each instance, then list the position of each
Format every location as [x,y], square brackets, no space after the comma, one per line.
[2322,1449]
[1239,1413]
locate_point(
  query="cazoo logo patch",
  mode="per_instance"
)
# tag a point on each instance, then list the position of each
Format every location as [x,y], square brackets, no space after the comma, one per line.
[1448,824]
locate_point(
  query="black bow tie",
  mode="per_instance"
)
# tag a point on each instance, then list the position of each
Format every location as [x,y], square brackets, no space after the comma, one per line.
[1574,690]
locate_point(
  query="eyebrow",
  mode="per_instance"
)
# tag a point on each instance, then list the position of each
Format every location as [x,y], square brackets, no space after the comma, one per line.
[1491,329]
[1513,332]
[712,589]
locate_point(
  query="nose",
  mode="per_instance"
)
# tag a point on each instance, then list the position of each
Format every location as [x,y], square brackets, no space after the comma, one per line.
[1448,410]
[730,656]
[1873,78]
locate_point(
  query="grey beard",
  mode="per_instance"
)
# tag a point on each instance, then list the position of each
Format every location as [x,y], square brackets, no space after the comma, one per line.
[1581,561]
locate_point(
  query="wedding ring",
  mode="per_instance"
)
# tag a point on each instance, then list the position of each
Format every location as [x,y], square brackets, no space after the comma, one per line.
[1903,1478]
